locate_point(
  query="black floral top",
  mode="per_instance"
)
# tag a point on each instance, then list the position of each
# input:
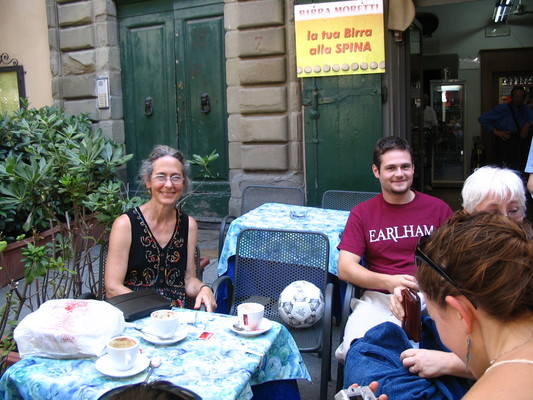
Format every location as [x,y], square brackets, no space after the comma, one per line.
[151,266]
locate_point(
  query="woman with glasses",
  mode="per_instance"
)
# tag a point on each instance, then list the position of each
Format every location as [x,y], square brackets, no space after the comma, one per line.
[153,245]
[476,272]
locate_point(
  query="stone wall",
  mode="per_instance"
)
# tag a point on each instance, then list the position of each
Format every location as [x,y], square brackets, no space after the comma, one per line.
[264,107]
[84,45]
[265,132]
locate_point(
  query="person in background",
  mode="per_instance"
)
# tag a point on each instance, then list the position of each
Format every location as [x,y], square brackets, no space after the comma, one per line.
[529,170]
[488,189]
[384,230]
[153,245]
[430,117]
[510,123]
[476,274]
[431,135]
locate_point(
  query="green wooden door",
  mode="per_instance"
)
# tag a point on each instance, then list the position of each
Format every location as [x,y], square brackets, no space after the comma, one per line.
[343,120]
[201,99]
[147,59]
[172,52]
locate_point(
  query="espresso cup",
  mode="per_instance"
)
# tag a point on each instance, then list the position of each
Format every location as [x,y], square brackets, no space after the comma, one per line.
[165,323]
[123,352]
[250,315]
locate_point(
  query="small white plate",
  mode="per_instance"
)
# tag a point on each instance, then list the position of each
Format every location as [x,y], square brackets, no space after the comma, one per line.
[181,334]
[103,365]
[265,326]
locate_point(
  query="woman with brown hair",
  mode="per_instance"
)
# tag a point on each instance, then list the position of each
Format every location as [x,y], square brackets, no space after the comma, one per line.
[476,274]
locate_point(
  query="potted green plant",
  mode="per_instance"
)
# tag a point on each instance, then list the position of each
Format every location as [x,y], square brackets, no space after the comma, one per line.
[50,163]
[59,193]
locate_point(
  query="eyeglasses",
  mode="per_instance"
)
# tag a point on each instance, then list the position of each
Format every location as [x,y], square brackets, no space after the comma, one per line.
[162,179]
[420,255]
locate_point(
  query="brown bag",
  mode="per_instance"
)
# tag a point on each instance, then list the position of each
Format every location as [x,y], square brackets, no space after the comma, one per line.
[411,324]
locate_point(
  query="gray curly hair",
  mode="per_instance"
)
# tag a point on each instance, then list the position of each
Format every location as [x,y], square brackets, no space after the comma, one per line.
[161,150]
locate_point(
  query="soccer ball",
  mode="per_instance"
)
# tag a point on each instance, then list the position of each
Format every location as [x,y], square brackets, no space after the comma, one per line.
[301,304]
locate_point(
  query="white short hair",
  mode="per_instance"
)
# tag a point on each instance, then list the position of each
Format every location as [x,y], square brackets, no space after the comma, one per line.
[494,181]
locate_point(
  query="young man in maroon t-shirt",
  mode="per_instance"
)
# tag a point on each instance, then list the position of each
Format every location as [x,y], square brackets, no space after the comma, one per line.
[384,231]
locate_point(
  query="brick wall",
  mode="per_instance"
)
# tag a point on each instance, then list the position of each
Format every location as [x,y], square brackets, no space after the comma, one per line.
[264,107]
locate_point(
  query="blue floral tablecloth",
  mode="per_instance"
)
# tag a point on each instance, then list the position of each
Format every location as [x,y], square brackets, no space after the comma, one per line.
[217,369]
[283,216]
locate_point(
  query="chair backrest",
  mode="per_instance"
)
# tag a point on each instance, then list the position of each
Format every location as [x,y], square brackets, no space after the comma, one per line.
[344,199]
[100,287]
[255,195]
[269,260]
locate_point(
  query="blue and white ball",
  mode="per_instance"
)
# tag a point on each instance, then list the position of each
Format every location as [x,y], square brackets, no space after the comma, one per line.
[301,304]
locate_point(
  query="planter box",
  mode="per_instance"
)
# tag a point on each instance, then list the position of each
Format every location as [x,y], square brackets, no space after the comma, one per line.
[13,267]
[11,358]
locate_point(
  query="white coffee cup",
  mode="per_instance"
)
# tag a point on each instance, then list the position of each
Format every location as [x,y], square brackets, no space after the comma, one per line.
[123,352]
[250,315]
[165,323]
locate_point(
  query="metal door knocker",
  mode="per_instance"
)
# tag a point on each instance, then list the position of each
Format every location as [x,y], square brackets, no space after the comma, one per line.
[148,107]
[205,106]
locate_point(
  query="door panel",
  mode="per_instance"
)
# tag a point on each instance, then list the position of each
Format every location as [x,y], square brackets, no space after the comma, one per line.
[173,52]
[147,51]
[201,89]
[342,123]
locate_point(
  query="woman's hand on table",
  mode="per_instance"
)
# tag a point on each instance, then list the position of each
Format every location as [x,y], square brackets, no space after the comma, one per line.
[206,297]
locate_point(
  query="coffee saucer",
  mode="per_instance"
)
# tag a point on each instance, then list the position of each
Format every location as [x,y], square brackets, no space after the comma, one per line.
[104,366]
[181,334]
[263,327]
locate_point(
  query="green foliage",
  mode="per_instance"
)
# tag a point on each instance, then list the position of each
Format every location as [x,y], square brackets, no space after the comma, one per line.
[50,163]
[204,162]
[109,202]
[55,171]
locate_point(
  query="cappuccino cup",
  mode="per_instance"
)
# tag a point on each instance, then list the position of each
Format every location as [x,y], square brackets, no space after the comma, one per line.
[165,323]
[123,352]
[250,315]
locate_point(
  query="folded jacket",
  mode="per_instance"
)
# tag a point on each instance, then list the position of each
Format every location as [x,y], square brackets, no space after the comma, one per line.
[376,357]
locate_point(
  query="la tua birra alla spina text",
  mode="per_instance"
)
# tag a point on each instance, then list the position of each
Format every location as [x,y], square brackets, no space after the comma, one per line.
[346,47]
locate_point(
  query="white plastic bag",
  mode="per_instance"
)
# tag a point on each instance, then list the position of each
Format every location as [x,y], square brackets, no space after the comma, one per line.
[68,328]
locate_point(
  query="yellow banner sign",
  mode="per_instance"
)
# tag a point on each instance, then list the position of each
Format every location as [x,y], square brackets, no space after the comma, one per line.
[339,38]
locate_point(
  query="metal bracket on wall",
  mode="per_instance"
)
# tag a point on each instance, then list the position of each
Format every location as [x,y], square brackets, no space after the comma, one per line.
[4,59]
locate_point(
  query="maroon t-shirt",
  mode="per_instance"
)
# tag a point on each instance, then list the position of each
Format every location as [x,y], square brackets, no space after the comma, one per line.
[386,234]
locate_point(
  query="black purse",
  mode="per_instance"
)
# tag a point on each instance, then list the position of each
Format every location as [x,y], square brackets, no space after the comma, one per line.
[139,304]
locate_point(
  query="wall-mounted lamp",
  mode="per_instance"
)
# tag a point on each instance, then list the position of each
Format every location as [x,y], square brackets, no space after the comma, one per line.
[502,9]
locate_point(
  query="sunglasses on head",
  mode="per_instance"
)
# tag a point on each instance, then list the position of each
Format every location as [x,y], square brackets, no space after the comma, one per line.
[421,256]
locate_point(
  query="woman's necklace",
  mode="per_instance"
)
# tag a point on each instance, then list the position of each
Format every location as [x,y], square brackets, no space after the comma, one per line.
[508,351]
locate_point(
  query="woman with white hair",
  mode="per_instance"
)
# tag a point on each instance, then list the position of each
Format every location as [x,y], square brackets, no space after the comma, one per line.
[495,190]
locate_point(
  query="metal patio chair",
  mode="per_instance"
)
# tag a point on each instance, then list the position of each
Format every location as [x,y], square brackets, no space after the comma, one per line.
[269,260]
[255,195]
[98,290]
[344,199]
